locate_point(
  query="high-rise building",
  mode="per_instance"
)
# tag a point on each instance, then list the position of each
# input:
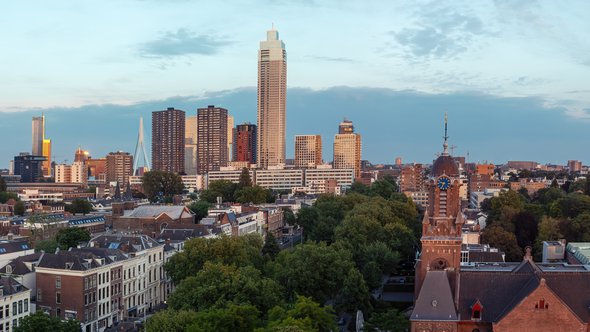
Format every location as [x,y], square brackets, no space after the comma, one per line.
[574,166]
[37,133]
[97,168]
[30,168]
[272,92]
[347,149]
[190,145]
[211,139]
[119,167]
[81,155]
[75,173]
[308,151]
[168,140]
[346,127]
[245,143]
[230,137]
[41,145]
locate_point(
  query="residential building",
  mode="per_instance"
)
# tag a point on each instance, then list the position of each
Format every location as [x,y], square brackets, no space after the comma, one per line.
[480,182]
[519,165]
[14,303]
[190,145]
[308,151]
[97,168]
[279,178]
[346,127]
[244,146]
[228,173]
[75,173]
[119,167]
[212,135]
[574,166]
[150,219]
[272,93]
[168,134]
[347,149]
[230,137]
[29,167]
[11,249]
[343,177]
[412,178]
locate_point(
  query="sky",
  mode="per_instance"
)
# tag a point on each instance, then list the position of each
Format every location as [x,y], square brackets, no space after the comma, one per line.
[514,76]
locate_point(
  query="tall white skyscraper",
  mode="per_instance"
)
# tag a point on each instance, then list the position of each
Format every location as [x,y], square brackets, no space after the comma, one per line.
[272,93]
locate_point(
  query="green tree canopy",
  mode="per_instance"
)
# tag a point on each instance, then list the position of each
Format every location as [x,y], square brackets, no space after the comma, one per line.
[70,237]
[271,246]
[238,251]
[19,208]
[220,188]
[40,322]
[217,285]
[162,184]
[305,315]
[390,320]
[79,206]
[251,194]
[3,186]
[497,237]
[200,209]
[245,179]
[47,246]
[5,196]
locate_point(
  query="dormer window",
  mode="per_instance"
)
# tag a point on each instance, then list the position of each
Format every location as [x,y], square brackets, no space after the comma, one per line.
[541,304]
[476,310]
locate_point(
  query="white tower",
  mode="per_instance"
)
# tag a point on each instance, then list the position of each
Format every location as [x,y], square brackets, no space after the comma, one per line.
[140,148]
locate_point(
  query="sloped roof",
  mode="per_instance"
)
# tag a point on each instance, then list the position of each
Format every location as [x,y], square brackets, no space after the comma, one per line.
[154,211]
[11,286]
[18,264]
[435,301]
[126,243]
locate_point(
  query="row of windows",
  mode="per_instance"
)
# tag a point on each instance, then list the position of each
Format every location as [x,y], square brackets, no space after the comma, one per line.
[18,308]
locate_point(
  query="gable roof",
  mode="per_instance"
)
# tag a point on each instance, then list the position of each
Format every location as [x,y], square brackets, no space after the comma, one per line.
[154,211]
[435,301]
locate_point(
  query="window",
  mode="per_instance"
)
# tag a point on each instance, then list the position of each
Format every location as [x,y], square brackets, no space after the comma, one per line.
[58,312]
[58,297]
[476,310]
[20,307]
[542,304]
[58,282]
[26,302]
[14,308]
[7,310]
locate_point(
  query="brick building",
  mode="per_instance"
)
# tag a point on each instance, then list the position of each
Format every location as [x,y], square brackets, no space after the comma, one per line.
[151,219]
[519,296]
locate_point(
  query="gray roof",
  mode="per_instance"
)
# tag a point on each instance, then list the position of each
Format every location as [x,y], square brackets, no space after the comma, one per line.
[435,301]
[154,211]
[11,246]
[125,243]
[11,286]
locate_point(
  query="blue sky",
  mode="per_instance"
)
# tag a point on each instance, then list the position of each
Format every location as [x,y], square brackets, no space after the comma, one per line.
[518,71]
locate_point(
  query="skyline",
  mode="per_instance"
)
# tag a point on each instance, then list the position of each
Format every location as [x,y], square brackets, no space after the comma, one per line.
[526,57]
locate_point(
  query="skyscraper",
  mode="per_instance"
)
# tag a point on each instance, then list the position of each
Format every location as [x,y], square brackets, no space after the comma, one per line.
[211,139]
[81,155]
[308,151]
[272,92]
[190,145]
[230,136]
[168,140]
[245,143]
[119,167]
[345,127]
[41,145]
[28,167]
[347,149]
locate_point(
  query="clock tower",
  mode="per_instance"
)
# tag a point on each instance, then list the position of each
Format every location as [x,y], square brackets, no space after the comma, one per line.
[443,220]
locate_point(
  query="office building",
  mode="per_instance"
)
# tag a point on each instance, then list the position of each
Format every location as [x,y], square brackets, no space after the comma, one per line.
[41,144]
[30,168]
[308,151]
[190,145]
[347,148]
[272,91]
[81,155]
[211,139]
[168,130]
[119,167]
[244,149]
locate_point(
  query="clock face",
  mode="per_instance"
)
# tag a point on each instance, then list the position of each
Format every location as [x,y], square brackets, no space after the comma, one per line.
[443,183]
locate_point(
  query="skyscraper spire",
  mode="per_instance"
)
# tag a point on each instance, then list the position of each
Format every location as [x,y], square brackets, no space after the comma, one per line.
[140,148]
[446,137]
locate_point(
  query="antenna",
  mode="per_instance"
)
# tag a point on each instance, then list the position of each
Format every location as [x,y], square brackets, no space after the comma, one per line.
[446,137]
[140,147]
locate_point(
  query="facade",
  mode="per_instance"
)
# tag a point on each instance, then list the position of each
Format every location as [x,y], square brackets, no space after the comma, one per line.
[323,173]
[168,134]
[81,155]
[346,127]
[97,168]
[212,143]
[530,165]
[347,151]
[75,173]
[119,167]
[308,151]
[279,179]
[41,145]
[574,166]
[151,219]
[14,302]
[272,94]
[481,182]
[412,178]
[29,167]
[190,145]
[244,146]
[230,137]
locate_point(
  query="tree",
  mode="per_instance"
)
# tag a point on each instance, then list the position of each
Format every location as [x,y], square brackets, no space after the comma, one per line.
[3,187]
[79,206]
[238,251]
[218,285]
[200,209]
[40,322]
[5,196]
[358,187]
[573,204]
[304,316]
[70,237]
[219,188]
[271,247]
[390,320]
[587,187]
[382,188]
[288,216]
[19,208]
[47,246]
[251,194]
[497,237]
[313,269]
[579,228]
[354,294]
[171,321]
[245,180]
[230,319]
[159,184]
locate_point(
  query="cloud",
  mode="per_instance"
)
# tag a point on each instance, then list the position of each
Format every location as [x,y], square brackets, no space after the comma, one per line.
[330,59]
[439,33]
[182,42]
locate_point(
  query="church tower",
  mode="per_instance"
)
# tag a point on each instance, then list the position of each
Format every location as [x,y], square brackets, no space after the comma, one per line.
[443,220]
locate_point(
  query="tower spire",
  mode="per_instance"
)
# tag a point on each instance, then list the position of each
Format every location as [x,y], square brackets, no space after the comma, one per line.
[140,148]
[446,137]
